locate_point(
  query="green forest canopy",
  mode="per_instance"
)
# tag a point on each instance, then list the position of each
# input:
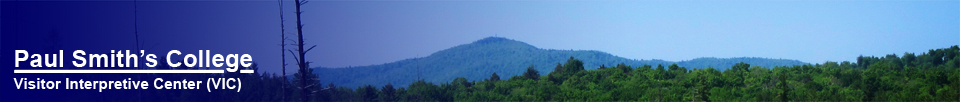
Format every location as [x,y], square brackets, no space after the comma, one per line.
[931,76]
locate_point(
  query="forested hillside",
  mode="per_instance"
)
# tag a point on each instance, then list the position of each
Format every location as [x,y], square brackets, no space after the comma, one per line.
[506,57]
[931,76]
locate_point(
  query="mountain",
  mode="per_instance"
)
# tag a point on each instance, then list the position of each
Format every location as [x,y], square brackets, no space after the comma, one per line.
[506,57]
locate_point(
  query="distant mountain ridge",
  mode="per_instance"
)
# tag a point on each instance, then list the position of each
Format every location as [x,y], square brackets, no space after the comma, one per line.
[506,57]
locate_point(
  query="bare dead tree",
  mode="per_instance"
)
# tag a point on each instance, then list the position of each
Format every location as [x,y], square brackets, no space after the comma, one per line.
[283,57]
[136,34]
[301,62]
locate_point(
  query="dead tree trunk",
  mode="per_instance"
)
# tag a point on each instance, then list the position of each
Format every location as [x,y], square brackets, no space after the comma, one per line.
[304,87]
[283,57]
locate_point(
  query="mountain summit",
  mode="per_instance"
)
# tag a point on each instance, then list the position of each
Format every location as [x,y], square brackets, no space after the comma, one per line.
[506,57]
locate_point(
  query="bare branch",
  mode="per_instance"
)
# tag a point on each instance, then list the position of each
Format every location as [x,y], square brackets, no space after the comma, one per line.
[294,41]
[295,57]
[308,86]
[311,48]
[303,2]
[154,45]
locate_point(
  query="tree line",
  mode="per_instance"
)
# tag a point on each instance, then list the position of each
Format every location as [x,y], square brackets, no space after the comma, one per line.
[931,76]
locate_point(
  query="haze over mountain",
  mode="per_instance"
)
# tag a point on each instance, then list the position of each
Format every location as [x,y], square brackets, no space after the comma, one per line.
[506,57]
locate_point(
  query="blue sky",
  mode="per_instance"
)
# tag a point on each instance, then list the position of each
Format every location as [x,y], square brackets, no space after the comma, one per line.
[365,33]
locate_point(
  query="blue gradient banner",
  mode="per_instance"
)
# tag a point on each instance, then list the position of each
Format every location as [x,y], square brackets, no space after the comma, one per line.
[439,50]
[137,51]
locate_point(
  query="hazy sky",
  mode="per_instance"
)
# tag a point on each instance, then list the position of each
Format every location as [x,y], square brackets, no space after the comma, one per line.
[365,33]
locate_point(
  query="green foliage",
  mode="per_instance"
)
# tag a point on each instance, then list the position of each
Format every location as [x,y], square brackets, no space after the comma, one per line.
[313,84]
[532,73]
[889,78]
[388,93]
[494,77]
